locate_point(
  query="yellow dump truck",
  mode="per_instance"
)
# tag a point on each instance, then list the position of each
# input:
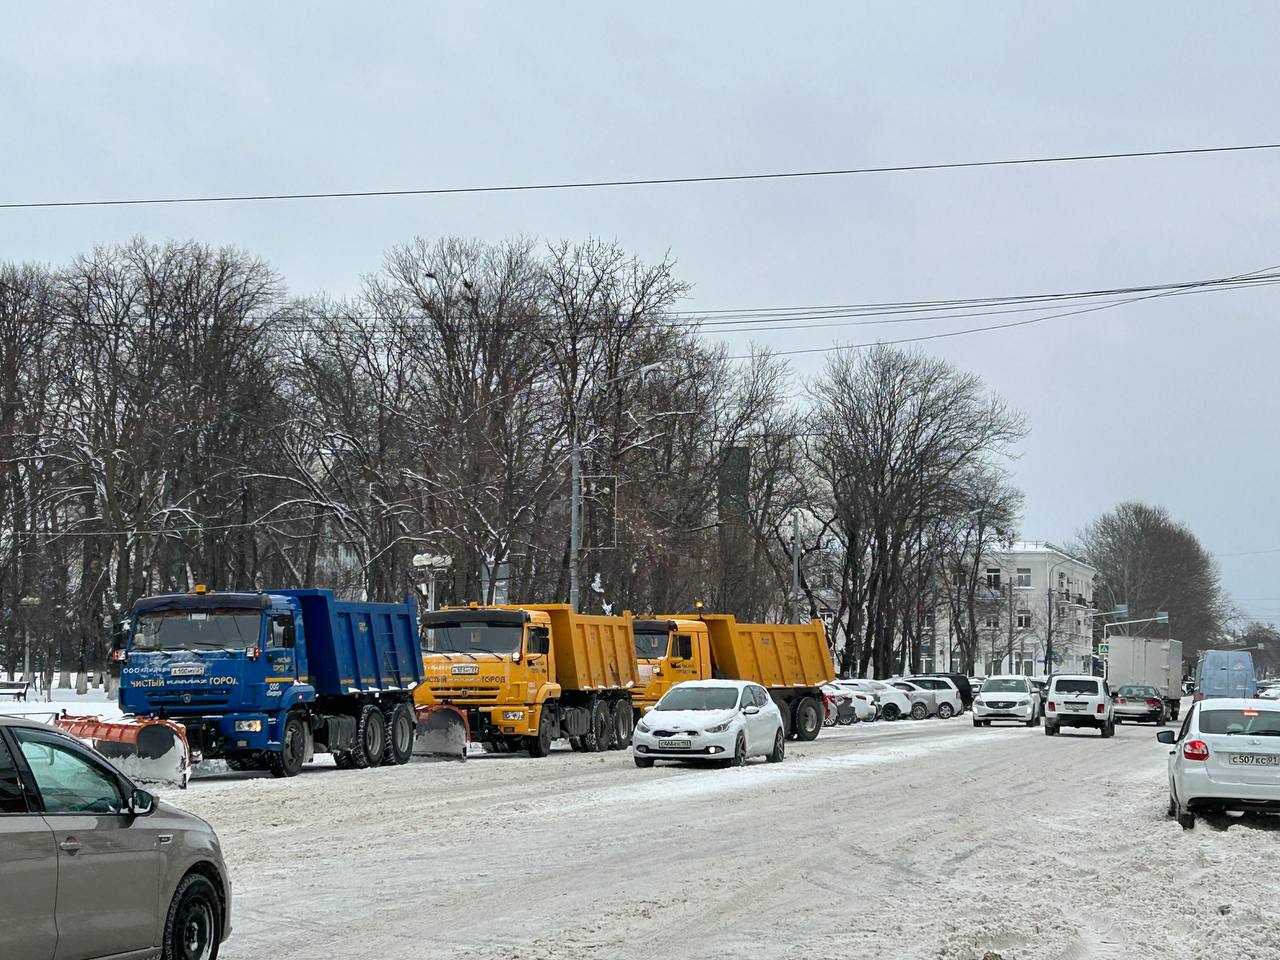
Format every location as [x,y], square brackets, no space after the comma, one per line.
[523,676]
[791,660]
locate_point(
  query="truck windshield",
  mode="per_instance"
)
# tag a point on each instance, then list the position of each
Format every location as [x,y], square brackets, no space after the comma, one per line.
[699,698]
[651,646]
[197,630]
[500,639]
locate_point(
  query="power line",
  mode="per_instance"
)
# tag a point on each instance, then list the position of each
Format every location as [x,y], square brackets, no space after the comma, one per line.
[644,182]
[987,329]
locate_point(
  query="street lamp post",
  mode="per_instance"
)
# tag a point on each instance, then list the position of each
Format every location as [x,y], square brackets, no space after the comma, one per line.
[575,480]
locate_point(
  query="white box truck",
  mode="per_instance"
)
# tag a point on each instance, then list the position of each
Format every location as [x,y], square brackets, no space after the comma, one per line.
[1147,661]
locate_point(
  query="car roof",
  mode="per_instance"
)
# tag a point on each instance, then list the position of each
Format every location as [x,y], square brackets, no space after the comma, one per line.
[12,721]
[1075,676]
[1007,676]
[734,684]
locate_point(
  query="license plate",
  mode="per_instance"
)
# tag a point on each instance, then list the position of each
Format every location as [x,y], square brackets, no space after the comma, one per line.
[674,744]
[192,670]
[1256,759]
[1075,706]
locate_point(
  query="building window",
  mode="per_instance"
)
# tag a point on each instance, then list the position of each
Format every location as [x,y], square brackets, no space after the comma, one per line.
[1024,619]
[1024,576]
[993,622]
[993,578]
[928,620]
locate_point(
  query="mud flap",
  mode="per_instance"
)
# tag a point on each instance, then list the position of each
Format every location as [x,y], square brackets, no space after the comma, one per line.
[148,751]
[442,733]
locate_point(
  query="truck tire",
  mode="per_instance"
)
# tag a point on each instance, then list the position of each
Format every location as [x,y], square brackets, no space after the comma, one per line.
[288,760]
[788,728]
[401,728]
[622,724]
[371,735]
[540,745]
[596,738]
[808,719]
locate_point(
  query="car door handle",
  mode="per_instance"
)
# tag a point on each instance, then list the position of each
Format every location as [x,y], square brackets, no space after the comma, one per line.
[71,845]
[165,838]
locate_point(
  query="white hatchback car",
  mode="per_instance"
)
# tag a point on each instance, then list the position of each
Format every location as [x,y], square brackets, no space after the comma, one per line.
[721,720]
[947,698]
[893,703]
[1077,700]
[1006,698]
[1226,756]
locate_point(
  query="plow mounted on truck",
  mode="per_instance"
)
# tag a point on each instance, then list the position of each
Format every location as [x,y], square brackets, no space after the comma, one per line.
[442,733]
[145,750]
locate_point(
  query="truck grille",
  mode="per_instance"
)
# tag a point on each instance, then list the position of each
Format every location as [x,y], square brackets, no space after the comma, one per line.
[465,693]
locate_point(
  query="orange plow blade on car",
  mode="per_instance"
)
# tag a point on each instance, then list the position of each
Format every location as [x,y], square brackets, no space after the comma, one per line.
[149,751]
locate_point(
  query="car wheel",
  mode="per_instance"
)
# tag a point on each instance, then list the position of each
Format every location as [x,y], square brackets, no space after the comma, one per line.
[977,722]
[293,749]
[1050,729]
[1109,729]
[1033,721]
[946,711]
[779,747]
[919,711]
[740,751]
[891,712]
[1039,716]
[401,727]
[1173,807]
[1187,821]
[644,763]
[830,721]
[193,926]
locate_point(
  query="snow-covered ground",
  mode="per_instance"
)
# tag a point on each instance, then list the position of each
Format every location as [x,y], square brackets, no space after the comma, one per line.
[910,840]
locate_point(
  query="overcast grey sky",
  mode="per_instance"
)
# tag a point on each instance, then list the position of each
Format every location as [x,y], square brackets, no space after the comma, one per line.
[1172,401]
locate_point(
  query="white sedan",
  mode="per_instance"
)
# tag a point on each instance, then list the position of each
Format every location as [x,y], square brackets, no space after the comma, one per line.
[1225,757]
[726,721]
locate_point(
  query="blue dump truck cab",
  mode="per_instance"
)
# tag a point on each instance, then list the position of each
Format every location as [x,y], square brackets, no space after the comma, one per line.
[265,679]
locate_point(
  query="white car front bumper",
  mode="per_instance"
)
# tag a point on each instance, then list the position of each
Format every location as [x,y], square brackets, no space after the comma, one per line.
[1021,714]
[684,745]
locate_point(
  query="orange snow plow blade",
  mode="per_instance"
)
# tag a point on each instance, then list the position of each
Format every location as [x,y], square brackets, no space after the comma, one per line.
[442,733]
[149,751]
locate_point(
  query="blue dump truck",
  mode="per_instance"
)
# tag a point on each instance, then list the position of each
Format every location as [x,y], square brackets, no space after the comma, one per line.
[263,680]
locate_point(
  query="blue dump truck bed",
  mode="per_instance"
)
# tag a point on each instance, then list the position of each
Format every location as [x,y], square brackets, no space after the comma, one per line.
[359,647]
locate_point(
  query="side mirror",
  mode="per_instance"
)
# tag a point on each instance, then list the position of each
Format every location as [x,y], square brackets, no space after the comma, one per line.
[750,711]
[1167,736]
[142,803]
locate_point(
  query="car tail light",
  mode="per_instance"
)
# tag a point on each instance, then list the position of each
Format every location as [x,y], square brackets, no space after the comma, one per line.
[1199,696]
[1195,750]
[1152,702]
[1052,705]
[1102,708]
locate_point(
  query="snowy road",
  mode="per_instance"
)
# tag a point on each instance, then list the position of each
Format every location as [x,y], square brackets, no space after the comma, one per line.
[912,840]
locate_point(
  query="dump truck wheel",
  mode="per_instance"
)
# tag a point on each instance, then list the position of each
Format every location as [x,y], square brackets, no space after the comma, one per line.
[293,749]
[787,725]
[622,725]
[401,728]
[371,733]
[597,737]
[540,745]
[808,719]
[344,759]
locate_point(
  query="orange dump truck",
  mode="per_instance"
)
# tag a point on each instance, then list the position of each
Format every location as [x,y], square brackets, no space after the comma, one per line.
[523,676]
[791,660]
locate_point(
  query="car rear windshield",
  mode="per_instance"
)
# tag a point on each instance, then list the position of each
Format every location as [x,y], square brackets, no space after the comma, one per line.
[1138,692]
[699,698]
[1253,723]
[1088,687]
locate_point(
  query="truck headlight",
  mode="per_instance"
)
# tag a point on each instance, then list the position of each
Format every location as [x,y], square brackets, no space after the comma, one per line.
[248,726]
[719,727]
[512,714]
